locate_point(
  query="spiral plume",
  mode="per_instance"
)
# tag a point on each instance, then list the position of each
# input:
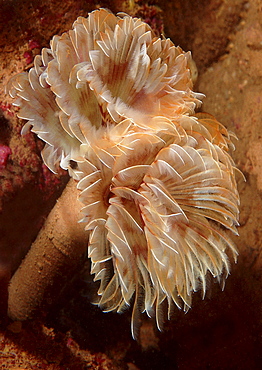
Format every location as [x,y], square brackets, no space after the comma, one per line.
[156,180]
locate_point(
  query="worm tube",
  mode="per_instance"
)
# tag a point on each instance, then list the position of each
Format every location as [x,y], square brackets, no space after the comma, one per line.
[55,255]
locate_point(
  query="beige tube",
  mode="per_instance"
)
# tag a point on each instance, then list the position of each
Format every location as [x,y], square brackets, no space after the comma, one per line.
[52,259]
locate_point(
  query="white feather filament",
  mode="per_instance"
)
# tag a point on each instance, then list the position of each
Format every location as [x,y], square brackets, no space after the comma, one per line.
[156,180]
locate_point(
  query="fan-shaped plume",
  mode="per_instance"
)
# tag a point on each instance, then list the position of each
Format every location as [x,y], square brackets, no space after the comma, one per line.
[156,179]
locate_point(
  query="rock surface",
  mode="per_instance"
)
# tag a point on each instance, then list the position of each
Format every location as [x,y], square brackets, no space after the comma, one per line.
[221,332]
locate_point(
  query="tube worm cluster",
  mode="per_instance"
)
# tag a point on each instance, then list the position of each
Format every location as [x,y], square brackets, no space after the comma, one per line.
[115,106]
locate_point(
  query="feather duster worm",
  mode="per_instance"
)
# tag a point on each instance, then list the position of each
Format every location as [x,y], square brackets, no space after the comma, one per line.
[156,179]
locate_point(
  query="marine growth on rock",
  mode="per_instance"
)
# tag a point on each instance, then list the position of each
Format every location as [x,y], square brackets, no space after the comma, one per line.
[115,106]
